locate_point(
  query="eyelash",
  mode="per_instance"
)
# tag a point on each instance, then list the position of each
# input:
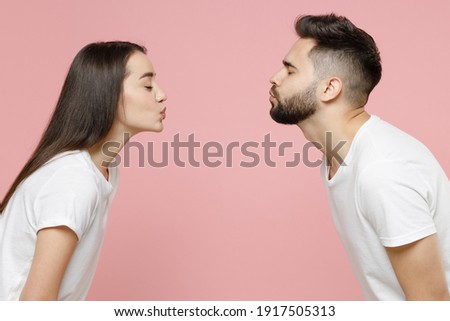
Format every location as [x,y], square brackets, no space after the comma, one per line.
[149,87]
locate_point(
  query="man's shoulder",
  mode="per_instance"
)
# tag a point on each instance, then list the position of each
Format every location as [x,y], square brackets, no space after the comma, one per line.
[385,148]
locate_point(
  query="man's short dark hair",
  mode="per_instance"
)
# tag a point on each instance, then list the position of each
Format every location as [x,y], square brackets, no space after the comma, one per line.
[343,50]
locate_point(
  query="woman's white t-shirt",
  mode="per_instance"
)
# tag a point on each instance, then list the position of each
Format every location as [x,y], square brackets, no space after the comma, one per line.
[68,190]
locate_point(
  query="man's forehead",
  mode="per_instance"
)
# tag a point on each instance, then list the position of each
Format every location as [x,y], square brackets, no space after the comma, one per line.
[300,49]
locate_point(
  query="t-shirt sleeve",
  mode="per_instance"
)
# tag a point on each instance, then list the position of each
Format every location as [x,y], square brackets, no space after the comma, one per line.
[395,201]
[68,198]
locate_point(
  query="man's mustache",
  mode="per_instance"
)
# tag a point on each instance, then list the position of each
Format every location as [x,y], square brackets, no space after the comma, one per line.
[274,93]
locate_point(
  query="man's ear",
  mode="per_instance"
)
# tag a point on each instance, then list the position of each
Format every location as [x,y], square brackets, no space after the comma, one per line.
[330,89]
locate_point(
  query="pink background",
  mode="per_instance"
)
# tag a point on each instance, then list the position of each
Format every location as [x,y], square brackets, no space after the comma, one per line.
[219,233]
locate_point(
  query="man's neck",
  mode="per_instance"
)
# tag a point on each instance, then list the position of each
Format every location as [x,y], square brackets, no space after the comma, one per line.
[332,132]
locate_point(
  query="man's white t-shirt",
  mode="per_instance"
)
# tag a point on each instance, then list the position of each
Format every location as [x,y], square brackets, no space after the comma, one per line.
[390,192]
[68,190]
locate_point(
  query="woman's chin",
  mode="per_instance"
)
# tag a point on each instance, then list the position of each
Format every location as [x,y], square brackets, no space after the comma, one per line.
[157,128]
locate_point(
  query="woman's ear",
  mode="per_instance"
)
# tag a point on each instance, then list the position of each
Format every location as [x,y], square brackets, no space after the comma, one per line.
[331,89]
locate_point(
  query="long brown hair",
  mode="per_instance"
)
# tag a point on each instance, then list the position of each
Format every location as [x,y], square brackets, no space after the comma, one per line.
[86,107]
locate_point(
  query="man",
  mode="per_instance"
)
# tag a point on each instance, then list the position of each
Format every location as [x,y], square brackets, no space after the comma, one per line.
[389,198]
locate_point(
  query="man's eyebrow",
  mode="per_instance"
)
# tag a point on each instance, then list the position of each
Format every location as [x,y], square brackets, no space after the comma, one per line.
[288,64]
[148,74]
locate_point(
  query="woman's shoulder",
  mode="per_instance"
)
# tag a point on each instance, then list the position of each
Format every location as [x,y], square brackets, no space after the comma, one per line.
[68,158]
[69,163]
[64,169]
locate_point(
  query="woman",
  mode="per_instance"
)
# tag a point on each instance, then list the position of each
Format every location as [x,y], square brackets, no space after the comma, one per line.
[53,217]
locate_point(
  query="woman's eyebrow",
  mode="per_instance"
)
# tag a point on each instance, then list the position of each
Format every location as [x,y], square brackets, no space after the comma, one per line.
[148,74]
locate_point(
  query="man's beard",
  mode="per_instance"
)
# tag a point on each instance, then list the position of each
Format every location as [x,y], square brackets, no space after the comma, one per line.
[296,108]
